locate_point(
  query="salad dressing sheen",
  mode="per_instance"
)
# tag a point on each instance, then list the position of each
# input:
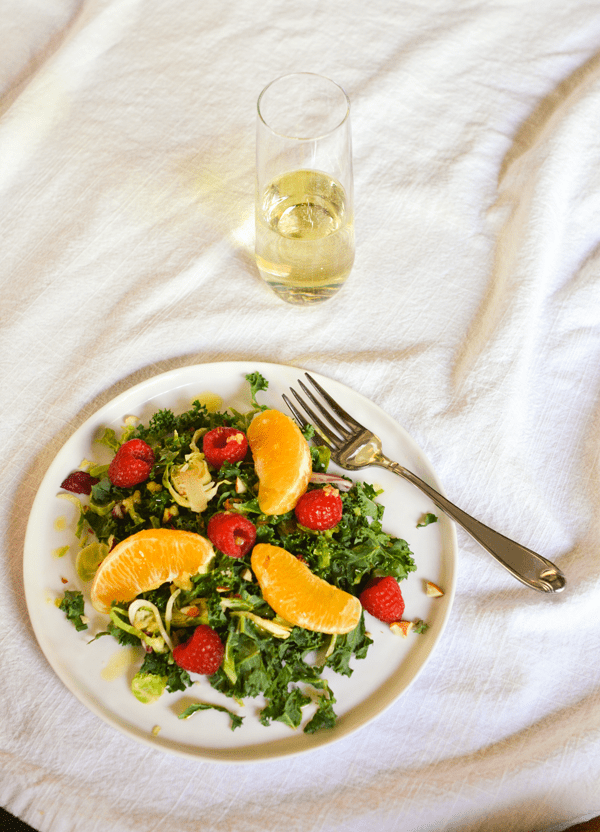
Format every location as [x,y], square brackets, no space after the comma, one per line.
[119,663]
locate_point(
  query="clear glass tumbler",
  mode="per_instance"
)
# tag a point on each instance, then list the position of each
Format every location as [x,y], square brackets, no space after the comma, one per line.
[304,188]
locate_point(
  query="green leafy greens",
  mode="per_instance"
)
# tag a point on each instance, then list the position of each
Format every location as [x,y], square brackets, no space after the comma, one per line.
[426,520]
[72,605]
[264,655]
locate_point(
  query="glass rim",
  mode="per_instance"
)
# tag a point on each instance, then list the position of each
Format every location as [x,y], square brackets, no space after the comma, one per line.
[303,138]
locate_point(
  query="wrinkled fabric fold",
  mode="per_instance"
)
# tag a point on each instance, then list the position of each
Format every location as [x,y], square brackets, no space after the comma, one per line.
[472,317]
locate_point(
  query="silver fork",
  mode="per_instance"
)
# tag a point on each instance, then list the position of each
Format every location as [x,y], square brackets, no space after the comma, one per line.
[353,446]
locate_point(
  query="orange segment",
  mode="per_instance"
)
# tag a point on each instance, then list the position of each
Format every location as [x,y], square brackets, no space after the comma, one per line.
[300,596]
[281,460]
[146,560]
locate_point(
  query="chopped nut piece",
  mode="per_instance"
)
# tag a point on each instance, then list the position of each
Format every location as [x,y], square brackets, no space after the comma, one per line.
[433,590]
[401,628]
[170,512]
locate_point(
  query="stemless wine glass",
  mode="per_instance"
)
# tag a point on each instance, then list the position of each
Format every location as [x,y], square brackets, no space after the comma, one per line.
[304,187]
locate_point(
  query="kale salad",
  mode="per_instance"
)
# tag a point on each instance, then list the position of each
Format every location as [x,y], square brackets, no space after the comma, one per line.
[264,656]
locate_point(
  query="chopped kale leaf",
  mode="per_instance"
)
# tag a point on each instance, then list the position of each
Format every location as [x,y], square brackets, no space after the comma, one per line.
[72,605]
[236,719]
[162,664]
[426,520]
[257,383]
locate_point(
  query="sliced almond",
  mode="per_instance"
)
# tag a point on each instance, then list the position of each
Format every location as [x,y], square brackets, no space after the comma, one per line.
[401,628]
[433,590]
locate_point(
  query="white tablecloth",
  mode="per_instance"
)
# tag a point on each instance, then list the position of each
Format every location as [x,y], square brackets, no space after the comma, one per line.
[472,316]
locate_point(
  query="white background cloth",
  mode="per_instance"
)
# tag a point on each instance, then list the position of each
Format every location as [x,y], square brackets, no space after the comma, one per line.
[472,316]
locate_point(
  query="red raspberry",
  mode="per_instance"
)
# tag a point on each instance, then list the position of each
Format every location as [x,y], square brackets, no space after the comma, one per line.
[132,464]
[319,509]
[202,653]
[79,482]
[224,445]
[232,534]
[383,599]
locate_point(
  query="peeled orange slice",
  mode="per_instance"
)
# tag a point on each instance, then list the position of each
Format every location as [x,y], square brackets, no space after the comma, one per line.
[146,560]
[300,596]
[281,460]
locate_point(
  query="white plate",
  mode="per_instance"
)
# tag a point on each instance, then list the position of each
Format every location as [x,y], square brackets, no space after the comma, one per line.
[99,673]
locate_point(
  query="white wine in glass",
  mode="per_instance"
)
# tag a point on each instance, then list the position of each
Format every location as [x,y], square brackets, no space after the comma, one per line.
[304,236]
[304,214]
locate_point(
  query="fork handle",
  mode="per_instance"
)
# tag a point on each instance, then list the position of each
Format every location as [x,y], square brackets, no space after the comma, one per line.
[526,565]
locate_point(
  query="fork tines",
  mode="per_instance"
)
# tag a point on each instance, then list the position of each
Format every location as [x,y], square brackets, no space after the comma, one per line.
[315,419]
[300,419]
